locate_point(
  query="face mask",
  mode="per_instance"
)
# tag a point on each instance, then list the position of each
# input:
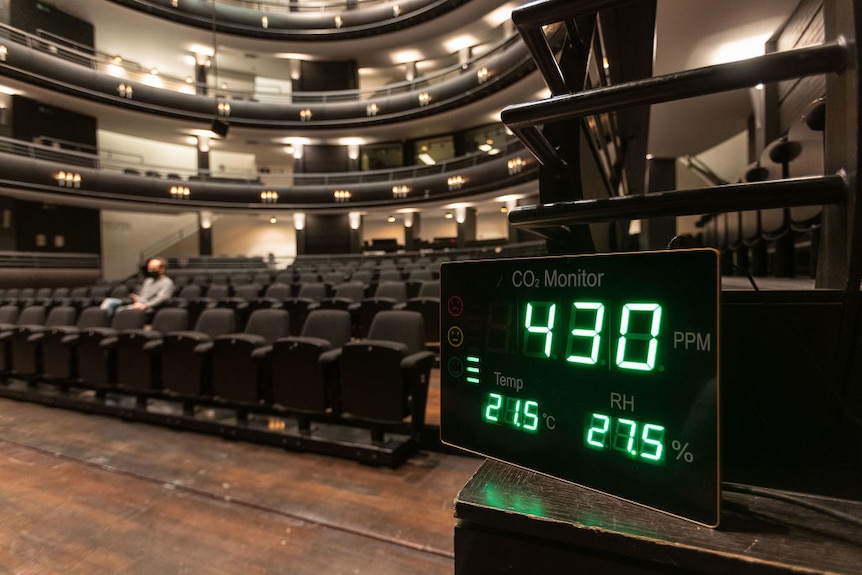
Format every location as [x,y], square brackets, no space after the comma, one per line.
[154,275]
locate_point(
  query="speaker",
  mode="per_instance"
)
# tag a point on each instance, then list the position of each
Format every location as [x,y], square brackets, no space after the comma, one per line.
[219,127]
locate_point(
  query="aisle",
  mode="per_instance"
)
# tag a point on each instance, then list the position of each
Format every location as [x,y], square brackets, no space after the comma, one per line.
[90,494]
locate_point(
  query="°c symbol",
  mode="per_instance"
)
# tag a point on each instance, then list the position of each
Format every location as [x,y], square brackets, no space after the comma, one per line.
[455,305]
[455,336]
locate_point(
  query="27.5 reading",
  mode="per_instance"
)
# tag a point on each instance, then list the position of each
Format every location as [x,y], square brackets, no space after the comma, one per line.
[627,437]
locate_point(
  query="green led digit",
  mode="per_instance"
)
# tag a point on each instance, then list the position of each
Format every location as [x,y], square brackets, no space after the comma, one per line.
[624,436]
[492,411]
[543,334]
[599,426]
[593,336]
[652,442]
[652,343]
[512,413]
[531,415]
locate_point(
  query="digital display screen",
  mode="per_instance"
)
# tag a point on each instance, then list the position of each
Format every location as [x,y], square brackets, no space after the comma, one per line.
[599,369]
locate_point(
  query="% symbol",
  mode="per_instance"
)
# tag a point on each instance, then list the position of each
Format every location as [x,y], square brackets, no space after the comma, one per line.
[682,451]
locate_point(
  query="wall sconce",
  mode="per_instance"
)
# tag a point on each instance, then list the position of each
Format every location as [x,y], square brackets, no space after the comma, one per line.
[299,221]
[68,179]
[175,3]
[264,21]
[372,109]
[424,98]
[180,192]
[224,109]
[338,21]
[205,219]
[396,10]
[460,214]
[482,74]
[354,219]
[455,182]
[269,197]
[125,91]
[408,220]
[4,51]
[305,115]
[341,195]
[353,151]
[515,166]
[400,192]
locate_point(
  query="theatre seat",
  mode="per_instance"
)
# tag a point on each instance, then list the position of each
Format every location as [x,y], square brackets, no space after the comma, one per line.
[185,362]
[427,302]
[58,359]
[299,307]
[300,379]
[238,375]
[384,378]
[31,315]
[344,296]
[389,295]
[138,367]
[25,341]
[95,358]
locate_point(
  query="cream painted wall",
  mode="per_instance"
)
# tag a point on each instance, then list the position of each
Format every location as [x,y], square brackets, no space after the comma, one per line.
[253,235]
[492,225]
[728,159]
[144,153]
[125,234]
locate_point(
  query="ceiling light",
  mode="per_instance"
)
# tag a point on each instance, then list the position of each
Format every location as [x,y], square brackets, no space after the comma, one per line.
[273,220]
[391,219]
[426,159]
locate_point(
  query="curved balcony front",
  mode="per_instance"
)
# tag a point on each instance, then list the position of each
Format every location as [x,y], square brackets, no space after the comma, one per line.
[47,64]
[71,174]
[319,21]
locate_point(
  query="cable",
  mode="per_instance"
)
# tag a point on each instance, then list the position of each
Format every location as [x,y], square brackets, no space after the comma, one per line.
[794,499]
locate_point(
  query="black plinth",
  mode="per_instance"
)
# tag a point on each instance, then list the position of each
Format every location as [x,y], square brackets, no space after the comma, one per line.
[510,520]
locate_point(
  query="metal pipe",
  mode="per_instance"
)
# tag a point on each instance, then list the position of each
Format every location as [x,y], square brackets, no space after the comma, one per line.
[789,64]
[818,190]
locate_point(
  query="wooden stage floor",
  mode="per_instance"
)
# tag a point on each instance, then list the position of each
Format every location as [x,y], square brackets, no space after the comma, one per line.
[91,494]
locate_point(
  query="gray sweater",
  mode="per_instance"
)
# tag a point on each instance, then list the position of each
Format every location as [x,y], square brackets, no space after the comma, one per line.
[154,292]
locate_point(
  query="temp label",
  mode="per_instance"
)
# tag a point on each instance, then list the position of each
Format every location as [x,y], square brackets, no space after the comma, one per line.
[552,278]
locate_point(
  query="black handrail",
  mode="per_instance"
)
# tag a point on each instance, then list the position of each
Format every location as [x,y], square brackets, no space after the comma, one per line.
[810,191]
[523,119]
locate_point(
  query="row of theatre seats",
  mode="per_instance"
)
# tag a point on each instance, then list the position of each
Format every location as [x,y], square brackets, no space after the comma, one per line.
[360,299]
[377,382]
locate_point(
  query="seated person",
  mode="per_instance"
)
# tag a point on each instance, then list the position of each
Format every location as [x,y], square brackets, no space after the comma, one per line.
[156,289]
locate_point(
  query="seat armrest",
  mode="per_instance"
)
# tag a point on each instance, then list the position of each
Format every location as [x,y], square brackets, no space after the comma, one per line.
[109,342]
[70,339]
[195,336]
[330,357]
[36,337]
[153,346]
[395,345]
[250,338]
[204,348]
[324,344]
[261,353]
[419,361]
